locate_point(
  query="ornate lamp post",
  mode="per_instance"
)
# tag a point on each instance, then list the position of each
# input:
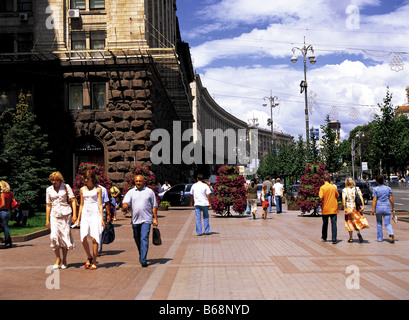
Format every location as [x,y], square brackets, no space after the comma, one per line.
[273,104]
[304,51]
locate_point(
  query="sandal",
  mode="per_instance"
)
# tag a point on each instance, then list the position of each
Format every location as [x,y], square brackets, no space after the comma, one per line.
[93,267]
[88,263]
[350,240]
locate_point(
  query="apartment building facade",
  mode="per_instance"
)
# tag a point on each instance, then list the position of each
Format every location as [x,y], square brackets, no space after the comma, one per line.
[101,75]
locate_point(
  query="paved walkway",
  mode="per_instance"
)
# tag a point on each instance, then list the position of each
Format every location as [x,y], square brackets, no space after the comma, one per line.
[244,259]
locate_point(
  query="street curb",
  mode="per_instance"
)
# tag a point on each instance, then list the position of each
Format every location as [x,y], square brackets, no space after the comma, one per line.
[29,236]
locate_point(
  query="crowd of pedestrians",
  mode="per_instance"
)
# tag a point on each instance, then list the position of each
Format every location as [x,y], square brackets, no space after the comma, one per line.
[93,211]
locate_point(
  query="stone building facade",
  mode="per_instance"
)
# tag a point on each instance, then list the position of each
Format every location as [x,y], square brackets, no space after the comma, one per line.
[101,75]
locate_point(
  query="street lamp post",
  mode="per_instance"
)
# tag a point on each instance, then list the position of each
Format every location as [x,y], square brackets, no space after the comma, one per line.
[304,51]
[273,104]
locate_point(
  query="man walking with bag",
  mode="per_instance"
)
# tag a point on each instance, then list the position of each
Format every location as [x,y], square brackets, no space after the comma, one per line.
[200,199]
[142,201]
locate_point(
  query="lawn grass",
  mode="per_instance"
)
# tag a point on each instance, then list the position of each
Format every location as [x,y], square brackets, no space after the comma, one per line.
[35,223]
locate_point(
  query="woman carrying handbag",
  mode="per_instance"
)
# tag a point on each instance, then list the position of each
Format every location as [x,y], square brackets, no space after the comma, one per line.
[354,219]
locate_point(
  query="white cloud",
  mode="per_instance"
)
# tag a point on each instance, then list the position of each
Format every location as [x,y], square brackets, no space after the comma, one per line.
[350,90]
[344,87]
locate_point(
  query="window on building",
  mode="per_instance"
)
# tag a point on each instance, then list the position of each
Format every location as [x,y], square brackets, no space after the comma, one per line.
[78,40]
[7,43]
[77,4]
[24,42]
[6,6]
[97,40]
[96,4]
[99,95]
[75,97]
[24,5]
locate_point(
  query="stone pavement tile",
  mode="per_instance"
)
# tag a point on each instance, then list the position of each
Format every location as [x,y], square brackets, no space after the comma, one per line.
[284,258]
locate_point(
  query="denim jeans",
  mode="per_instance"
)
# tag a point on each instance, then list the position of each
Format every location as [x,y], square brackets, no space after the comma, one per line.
[387,221]
[270,200]
[325,218]
[198,214]
[279,204]
[4,219]
[141,235]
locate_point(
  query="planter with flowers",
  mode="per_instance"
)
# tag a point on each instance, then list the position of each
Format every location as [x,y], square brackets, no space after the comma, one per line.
[229,191]
[163,206]
[308,192]
[293,205]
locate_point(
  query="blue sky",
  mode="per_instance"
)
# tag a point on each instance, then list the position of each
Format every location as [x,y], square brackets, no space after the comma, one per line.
[242,51]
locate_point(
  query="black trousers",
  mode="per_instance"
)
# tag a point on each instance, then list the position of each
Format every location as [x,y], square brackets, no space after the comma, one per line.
[333,218]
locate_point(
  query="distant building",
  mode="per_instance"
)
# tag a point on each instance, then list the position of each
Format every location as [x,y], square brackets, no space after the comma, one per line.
[404,110]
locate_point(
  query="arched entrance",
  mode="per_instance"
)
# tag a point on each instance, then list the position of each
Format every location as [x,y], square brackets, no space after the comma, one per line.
[88,149]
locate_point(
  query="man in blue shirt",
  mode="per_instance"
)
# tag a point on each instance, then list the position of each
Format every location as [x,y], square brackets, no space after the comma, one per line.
[143,204]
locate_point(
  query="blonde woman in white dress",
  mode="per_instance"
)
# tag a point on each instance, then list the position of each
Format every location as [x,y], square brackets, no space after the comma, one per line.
[90,217]
[61,210]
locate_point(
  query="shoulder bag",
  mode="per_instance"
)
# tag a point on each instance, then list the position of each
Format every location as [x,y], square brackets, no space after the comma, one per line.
[358,202]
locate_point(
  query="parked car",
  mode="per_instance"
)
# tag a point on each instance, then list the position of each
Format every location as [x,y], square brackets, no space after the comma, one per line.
[366,191]
[293,193]
[363,186]
[177,195]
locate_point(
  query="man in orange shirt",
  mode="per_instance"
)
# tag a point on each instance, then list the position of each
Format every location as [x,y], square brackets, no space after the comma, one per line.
[329,197]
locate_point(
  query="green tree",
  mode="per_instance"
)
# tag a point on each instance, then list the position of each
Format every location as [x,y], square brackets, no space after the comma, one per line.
[312,154]
[330,153]
[25,156]
[400,147]
[266,167]
[383,130]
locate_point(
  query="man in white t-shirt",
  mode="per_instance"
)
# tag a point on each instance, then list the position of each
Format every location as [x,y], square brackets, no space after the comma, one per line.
[166,186]
[200,199]
[278,192]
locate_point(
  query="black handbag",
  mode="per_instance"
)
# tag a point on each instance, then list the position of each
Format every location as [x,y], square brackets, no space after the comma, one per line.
[108,235]
[156,240]
[358,202]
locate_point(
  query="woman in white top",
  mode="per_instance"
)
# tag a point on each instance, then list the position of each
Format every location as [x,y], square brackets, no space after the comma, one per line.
[60,205]
[353,217]
[90,217]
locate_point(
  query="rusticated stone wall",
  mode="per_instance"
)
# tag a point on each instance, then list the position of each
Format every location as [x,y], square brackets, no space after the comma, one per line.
[136,105]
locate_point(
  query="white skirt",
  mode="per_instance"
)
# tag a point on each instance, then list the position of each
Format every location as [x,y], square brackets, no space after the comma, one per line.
[60,233]
[91,225]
